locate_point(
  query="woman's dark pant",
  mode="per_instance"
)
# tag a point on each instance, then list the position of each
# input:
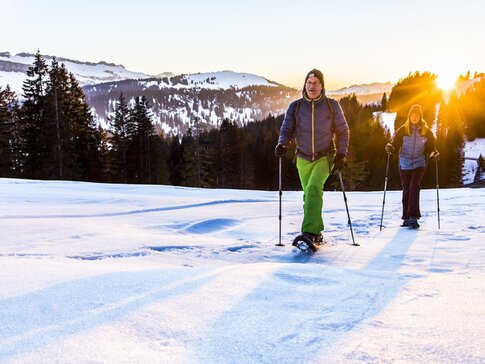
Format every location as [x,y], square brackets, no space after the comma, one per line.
[411,185]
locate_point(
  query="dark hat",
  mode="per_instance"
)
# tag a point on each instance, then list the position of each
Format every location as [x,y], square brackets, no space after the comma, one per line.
[315,73]
[416,108]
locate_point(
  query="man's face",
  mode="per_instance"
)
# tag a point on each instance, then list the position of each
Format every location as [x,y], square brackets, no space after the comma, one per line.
[313,87]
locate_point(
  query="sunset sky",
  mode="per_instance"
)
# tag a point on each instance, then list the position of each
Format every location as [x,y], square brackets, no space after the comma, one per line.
[351,41]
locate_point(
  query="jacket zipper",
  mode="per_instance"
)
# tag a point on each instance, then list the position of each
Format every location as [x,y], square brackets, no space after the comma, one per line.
[313,130]
[414,147]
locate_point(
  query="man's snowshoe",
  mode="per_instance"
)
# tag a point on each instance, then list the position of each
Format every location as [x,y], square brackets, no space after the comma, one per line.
[308,242]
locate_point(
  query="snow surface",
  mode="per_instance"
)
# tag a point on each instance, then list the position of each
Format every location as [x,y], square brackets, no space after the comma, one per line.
[364,89]
[86,73]
[113,273]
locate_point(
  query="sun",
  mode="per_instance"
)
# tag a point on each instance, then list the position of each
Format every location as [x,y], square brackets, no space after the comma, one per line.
[446,81]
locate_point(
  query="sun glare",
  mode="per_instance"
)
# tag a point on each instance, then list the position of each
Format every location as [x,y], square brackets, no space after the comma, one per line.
[446,82]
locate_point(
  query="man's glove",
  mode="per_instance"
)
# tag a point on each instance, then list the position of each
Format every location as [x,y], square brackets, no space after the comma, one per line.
[339,162]
[390,148]
[435,156]
[279,150]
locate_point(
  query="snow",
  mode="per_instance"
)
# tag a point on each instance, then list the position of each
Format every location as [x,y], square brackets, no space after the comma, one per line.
[387,120]
[472,149]
[86,73]
[365,89]
[157,274]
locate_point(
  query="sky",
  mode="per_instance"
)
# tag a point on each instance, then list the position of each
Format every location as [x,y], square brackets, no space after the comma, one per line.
[351,41]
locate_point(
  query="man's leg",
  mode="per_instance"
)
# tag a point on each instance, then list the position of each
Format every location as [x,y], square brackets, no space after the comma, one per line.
[312,177]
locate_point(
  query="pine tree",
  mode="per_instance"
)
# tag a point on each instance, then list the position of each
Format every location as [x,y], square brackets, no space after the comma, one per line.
[230,155]
[33,119]
[56,126]
[87,135]
[122,131]
[384,103]
[10,138]
[196,156]
[174,160]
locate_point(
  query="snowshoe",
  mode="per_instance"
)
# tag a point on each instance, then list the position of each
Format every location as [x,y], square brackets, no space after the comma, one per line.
[413,223]
[308,243]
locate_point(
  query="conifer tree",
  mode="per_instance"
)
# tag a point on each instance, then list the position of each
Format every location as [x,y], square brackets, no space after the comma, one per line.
[384,103]
[122,131]
[10,138]
[139,148]
[230,155]
[196,156]
[33,118]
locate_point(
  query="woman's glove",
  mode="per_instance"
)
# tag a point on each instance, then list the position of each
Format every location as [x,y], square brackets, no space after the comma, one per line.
[390,148]
[435,156]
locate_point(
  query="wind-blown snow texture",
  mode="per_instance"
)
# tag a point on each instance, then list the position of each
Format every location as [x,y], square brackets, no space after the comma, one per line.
[104,273]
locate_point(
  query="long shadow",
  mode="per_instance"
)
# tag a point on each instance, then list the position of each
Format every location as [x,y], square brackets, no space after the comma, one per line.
[45,316]
[390,259]
[133,212]
[307,307]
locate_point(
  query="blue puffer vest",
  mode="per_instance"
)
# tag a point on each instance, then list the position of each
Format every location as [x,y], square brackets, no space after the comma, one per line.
[414,148]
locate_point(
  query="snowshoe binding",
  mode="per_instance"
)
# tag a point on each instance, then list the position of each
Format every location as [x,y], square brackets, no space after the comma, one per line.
[412,223]
[308,242]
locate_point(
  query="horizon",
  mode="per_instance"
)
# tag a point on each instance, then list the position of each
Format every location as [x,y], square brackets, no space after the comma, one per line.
[360,43]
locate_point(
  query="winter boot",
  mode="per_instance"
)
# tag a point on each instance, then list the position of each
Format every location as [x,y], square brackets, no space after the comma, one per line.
[413,223]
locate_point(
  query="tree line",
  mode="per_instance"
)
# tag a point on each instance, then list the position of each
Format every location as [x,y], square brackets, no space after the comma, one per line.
[51,134]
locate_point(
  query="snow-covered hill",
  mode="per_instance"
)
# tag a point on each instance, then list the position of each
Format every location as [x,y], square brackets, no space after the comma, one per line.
[365,89]
[113,273]
[14,67]
[211,97]
[212,81]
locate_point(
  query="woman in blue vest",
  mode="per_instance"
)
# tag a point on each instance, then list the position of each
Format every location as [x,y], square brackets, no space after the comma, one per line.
[415,142]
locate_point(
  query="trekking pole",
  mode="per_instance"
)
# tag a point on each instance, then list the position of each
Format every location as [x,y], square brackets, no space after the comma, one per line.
[385,188]
[347,208]
[437,193]
[280,193]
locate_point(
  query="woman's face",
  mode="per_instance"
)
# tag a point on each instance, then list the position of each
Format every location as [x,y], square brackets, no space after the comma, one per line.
[414,117]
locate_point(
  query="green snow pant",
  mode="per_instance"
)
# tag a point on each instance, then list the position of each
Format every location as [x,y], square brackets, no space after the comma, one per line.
[312,177]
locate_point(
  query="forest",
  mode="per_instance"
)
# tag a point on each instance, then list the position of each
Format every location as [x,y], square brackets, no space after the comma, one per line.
[50,134]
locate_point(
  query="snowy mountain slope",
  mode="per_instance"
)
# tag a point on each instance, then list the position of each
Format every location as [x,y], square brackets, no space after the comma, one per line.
[365,89]
[13,68]
[176,101]
[127,273]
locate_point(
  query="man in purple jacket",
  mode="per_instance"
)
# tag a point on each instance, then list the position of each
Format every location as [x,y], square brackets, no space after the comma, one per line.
[313,121]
